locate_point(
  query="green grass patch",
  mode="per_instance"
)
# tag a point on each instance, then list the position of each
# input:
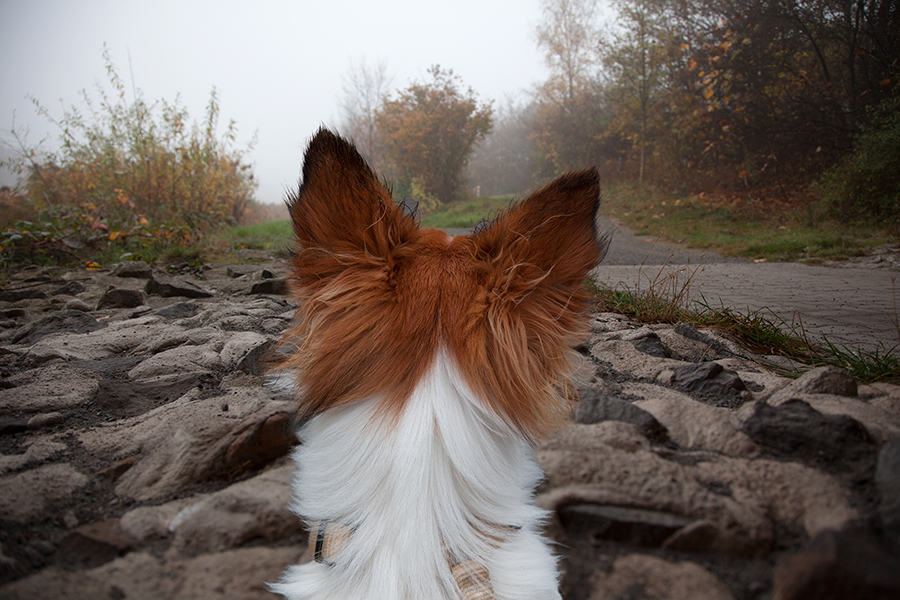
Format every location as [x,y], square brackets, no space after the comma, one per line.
[271,236]
[467,213]
[738,229]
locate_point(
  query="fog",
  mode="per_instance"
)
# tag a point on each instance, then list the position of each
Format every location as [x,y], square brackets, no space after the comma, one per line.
[277,65]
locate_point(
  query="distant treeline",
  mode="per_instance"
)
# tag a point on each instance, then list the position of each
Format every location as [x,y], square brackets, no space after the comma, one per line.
[751,100]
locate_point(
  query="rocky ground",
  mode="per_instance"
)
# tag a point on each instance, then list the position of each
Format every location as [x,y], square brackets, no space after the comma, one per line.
[144,455]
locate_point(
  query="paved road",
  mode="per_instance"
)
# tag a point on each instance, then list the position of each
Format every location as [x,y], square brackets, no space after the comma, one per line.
[849,305]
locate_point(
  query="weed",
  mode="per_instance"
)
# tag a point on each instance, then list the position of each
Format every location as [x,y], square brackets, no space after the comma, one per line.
[666,300]
[132,176]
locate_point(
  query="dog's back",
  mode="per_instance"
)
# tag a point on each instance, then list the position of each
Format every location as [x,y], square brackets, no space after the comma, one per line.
[427,365]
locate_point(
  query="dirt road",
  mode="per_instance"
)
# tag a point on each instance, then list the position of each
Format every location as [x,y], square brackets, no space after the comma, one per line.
[848,304]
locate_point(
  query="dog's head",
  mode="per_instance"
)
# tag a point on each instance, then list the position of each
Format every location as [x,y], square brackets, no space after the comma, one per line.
[380,297]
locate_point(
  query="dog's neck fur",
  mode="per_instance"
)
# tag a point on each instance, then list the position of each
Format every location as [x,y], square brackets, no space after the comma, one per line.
[439,485]
[426,367]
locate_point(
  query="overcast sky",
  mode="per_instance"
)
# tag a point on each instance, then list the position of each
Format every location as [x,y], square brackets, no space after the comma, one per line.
[276,64]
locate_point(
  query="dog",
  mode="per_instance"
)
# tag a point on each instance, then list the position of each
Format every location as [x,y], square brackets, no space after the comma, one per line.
[427,367]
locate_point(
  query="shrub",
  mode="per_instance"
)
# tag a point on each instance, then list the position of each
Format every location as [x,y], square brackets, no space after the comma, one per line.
[134,174]
[864,186]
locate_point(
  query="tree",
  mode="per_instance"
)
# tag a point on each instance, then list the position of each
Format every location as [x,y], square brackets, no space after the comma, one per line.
[567,114]
[365,88]
[430,130]
[637,59]
[567,135]
[568,38]
[780,78]
[501,163]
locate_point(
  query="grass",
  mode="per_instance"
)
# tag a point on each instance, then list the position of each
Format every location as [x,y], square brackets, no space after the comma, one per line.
[468,213]
[760,231]
[271,236]
[666,301]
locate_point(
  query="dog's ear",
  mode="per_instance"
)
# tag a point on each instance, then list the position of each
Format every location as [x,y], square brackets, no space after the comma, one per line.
[351,237]
[342,208]
[534,260]
[549,239]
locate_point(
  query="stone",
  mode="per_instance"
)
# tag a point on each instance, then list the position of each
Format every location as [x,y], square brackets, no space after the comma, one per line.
[687,349]
[697,536]
[743,499]
[887,480]
[38,451]
[179,361]
[623,357]
[837,565]
[53,389]
[23,294]
[12,426]
[120,298]
[167,287]
[596,407]
[92,545]
[642,576]
[820,380]
[137,269]
[121,398]
[693,424]
[239,346]
[635,526]
[256,509]
[181,443]
[15,312]
[78,304]
[48,419]
[270,286]
[64,321]
[611,464]
[796,430]
[70,288]
[708,342]
[31,493]
[140,336]
[260,444]
[179,335]
[881,424]
[709,379]
[651,345]
[235,271]
[179,310]
[788,493]
[261,359]
[239,573]
[152,522]
[117,469]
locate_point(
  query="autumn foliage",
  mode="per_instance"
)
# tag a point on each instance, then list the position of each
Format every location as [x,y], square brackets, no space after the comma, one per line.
[133,175]
[420,137]
[747,100]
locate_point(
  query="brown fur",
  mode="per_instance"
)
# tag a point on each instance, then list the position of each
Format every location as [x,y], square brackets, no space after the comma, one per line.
[379,296]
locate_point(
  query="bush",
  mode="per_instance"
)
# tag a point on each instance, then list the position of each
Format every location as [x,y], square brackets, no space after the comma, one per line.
[865,186]
[134,174]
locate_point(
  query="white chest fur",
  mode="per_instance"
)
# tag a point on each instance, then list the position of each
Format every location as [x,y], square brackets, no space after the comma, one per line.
[447,481]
